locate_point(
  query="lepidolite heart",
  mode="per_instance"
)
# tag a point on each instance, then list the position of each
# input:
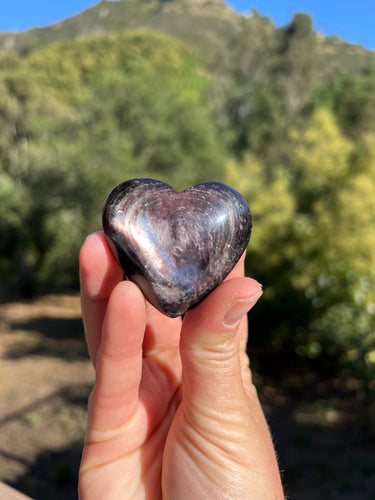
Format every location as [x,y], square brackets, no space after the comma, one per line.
[176,246]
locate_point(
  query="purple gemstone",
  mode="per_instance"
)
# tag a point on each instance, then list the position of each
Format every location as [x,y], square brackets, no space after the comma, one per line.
[176,246]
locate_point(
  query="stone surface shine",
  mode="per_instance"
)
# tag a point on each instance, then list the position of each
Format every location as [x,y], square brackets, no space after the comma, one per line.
[177,246]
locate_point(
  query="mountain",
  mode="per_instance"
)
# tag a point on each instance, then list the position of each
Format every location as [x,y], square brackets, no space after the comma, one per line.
[210,26]
[202,23]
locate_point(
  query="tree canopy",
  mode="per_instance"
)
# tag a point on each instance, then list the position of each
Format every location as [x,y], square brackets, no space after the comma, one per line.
[78,117]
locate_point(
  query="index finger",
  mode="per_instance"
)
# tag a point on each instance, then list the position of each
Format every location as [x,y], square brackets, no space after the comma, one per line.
[99,274]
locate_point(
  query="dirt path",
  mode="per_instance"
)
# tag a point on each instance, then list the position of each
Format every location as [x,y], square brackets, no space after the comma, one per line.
[46,377]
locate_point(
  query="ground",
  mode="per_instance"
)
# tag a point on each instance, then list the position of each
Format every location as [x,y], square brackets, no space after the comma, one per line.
[322,428]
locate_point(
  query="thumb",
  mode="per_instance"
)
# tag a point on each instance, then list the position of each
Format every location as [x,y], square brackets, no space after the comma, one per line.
[211,348]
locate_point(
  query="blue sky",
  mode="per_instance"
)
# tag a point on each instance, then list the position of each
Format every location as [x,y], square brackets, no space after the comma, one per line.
[351,20]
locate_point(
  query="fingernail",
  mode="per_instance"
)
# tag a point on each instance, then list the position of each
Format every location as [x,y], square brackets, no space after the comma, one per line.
[240,307]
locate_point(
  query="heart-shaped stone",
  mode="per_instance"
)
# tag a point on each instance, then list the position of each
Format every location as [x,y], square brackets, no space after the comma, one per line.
[176,246]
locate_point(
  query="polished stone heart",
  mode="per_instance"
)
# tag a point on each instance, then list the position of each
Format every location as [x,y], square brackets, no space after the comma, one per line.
[176,246]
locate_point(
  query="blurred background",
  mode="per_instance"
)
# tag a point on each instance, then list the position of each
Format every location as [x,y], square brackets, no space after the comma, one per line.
[186,92]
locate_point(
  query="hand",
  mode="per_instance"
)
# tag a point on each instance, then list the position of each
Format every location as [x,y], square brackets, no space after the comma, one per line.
[173,413]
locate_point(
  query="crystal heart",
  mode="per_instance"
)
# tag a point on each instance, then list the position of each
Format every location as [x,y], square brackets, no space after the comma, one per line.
[176,246]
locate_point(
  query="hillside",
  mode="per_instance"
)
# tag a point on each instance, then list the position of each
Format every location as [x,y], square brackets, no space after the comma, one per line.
[188,91]
[203,23]
[210,26]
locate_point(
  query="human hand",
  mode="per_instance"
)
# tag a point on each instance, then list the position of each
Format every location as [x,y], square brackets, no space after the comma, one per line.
[173,413]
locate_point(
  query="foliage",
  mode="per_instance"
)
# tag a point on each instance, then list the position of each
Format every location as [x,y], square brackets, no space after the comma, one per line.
[313,245]
[297,65]
[352,99]
[77,123]
[248,106]
[336,213]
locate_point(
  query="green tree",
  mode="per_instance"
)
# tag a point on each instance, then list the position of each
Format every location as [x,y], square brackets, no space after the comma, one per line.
[334,267]
[312,246]
[271,251]
[352,100]
[84,116]
[319,159]
[296,69]
[249,105]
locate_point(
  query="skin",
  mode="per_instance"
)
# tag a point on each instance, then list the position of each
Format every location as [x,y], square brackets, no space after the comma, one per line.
[173,413]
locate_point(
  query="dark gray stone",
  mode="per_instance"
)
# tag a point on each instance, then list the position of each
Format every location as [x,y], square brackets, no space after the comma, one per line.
[177,246]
